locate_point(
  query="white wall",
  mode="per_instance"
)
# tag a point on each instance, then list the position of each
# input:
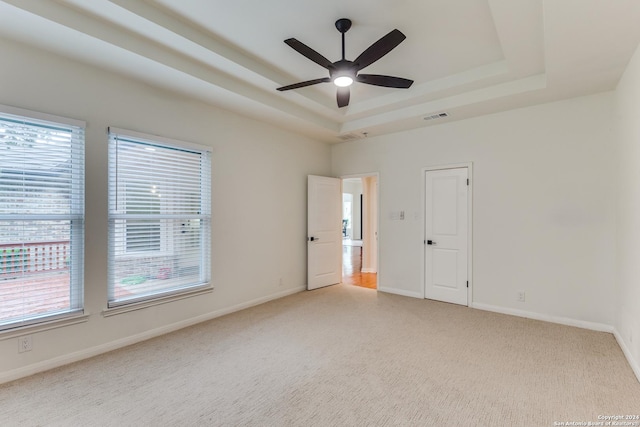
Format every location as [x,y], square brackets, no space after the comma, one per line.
[627,305]
[543,206]
[258,191]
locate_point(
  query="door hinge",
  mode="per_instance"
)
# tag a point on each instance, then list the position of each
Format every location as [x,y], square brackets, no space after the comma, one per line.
[467,283]
[467,181]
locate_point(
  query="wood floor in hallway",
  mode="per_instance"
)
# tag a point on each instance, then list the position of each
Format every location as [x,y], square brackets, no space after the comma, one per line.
[352,269]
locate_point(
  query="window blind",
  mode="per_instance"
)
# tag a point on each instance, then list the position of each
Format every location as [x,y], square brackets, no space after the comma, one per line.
[159,217]
[41,217]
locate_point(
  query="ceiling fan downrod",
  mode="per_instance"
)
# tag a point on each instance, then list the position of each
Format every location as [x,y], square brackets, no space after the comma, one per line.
[343,26]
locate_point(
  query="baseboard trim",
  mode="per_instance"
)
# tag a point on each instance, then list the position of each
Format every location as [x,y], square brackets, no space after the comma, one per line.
[627,353]
[402,292]
[600,327]
[134,339]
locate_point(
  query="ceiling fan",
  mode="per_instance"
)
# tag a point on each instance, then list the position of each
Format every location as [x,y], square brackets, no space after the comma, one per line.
[344,72]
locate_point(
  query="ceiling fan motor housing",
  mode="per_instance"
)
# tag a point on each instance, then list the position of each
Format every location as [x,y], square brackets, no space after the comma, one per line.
[344,69]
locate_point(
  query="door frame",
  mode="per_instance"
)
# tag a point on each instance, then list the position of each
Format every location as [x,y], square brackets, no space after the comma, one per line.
[377,175]
[469,166]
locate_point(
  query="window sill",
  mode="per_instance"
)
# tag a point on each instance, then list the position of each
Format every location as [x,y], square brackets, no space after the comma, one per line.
[113,311]
[44,326]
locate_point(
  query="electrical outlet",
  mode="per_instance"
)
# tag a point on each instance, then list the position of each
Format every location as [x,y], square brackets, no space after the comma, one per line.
[521,296]
[25,343]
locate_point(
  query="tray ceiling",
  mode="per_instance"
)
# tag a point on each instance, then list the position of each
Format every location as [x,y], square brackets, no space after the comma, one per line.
[467,57]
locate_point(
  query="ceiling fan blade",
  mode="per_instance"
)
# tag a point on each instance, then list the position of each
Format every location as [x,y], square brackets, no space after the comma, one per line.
[379,49]
[305,50]
[386,81]
[305,84]
[343,96]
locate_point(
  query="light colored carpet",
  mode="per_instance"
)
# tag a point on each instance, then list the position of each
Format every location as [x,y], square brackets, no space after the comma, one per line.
[340,356]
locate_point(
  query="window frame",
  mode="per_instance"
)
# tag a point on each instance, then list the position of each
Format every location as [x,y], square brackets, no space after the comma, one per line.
[117,222]
[75,311]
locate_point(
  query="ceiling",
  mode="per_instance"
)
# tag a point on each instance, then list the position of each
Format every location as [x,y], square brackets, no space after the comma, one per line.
[466,57]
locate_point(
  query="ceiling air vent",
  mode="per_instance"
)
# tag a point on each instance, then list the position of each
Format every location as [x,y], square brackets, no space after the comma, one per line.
[349,137]
[436,116]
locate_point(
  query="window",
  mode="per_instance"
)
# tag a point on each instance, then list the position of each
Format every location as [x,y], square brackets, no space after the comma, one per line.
[159,217]
[41,217]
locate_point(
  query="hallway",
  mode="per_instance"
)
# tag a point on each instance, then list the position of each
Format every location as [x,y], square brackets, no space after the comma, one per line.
[352,268]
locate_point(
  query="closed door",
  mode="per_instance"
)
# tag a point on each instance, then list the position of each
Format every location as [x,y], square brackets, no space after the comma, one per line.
[324,231]
[446,229]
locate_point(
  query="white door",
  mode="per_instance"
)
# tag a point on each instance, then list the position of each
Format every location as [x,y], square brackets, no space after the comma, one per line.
[324,231]
[446,228]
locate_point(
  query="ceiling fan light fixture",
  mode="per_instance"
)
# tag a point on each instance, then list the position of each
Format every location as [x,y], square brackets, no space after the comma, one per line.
[343,81]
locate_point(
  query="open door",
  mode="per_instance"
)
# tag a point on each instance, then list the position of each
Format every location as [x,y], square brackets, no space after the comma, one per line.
[324,231]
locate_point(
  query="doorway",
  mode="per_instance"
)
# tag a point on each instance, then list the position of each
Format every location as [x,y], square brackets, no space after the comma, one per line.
[360,231]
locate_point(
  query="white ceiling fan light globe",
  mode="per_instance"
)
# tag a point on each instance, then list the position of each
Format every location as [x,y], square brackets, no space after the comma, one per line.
[343,81]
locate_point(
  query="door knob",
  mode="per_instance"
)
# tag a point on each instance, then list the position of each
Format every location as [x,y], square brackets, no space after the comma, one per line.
[313,239]
[431,242]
